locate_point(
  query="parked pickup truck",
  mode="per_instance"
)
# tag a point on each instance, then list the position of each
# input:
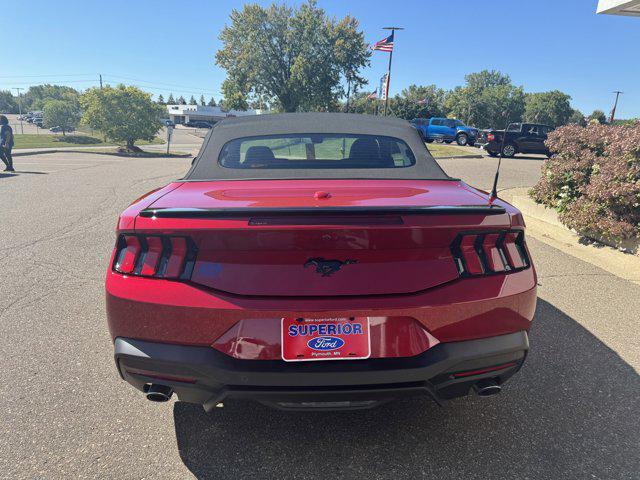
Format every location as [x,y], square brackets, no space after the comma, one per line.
[445,129]
[520,138]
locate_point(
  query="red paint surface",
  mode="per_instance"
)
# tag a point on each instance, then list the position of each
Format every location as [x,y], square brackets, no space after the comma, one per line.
[249,276]
[260,339]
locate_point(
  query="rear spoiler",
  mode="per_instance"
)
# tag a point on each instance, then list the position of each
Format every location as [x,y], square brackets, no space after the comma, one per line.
[251,212]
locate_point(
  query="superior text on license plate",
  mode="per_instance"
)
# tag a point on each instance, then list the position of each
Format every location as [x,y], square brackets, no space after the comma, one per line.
[307,339]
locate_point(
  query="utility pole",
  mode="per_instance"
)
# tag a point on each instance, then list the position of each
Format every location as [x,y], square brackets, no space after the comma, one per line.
[613,111]
[20,109]
[386,97]
[100,81]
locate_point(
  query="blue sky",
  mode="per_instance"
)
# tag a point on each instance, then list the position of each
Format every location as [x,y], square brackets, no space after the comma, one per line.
[165,46]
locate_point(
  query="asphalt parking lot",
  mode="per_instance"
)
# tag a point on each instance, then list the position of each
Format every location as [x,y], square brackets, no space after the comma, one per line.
[572,412]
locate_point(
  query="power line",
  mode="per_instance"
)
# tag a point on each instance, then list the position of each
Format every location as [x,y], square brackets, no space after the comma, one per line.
[88,80]
[69,79]
[160,84]
[48,75]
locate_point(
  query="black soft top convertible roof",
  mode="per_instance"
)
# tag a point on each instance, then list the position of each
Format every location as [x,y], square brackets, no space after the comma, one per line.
[207,167]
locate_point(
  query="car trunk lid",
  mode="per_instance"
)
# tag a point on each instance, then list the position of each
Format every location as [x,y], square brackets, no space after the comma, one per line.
[322,237]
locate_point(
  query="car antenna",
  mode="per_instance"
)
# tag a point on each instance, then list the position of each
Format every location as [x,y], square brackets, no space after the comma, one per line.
[494,190]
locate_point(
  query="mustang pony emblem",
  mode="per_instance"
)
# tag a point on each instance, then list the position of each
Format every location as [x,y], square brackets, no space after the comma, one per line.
[327,267]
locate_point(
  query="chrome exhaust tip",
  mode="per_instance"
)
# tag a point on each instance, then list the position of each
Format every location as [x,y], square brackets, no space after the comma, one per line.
[487,387]
[159,393]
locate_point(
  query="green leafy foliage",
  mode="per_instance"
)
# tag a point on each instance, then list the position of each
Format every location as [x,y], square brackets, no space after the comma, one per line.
[488,100]
[597,116]
[38,95]
[577,118]
[418,102]
[8,103]
[550,108]
[593,179]
[296,58]
[62,113]
[123,114]
[79,139]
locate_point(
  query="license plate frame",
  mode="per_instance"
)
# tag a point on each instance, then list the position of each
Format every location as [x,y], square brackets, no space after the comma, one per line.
[343,338]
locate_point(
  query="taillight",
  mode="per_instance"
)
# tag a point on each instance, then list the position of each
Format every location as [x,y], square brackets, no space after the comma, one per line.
[491,137]
[486,253]
[161,256]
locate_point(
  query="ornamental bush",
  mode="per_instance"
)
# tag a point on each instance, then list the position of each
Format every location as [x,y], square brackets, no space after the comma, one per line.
[593,179]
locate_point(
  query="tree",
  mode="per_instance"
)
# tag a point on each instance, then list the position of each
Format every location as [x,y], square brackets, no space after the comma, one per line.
[123,114]
[361,103]
[233,100]
[202,100]
[161,100]
[171,100]
[577,118]
[192,101]
[418,102]
[488,100]
[296,58]
[61,113]
[212,102]
[181,100]
[597,116]
[550,108]
[349,53]
[38,95]
[8,103]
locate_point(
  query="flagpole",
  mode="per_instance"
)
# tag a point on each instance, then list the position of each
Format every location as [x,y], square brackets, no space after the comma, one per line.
[386,96]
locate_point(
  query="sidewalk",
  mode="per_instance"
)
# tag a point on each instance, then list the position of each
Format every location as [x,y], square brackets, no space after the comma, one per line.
[543,224]
[190,147]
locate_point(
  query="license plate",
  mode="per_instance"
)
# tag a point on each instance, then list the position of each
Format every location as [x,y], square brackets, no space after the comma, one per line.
[309,339]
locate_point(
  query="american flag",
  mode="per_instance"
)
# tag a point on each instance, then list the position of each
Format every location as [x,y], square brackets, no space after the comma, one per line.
[384,45]
[373,95]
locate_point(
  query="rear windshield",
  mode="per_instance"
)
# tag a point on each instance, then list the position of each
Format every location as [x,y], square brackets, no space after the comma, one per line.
[323,151]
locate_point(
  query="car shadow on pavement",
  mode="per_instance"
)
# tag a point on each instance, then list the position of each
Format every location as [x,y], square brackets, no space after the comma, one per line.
[524,157]
[572,412]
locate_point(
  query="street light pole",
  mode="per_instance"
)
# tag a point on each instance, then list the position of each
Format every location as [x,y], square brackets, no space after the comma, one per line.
[20,109]
[386,96]
[613,111]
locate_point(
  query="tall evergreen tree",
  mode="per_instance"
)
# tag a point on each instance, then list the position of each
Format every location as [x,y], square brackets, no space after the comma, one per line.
[161,100]
[171,100]
[181,100]
[212,103]
[192,101]
[202,100]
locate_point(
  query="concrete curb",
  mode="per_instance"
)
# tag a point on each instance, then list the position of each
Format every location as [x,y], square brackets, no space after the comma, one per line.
[458,156]
[154,153]
[543,224]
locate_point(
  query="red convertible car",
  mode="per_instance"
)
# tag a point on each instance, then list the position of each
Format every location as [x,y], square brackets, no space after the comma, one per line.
[318,261]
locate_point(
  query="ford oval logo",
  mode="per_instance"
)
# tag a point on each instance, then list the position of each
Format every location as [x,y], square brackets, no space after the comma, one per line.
[325,343]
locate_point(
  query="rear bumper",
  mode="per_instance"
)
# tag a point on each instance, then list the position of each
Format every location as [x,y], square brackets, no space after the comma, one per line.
[205,376]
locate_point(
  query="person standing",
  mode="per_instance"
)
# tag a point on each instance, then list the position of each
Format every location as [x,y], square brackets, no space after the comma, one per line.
[6,143]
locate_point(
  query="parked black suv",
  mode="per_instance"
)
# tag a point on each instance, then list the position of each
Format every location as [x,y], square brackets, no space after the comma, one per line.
[520,138]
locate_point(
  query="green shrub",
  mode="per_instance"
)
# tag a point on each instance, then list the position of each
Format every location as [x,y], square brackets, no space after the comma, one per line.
[79,139]
[593,179]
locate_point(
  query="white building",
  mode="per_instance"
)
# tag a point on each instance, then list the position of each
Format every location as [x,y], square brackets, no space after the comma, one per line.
[188,113]
[619,7]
